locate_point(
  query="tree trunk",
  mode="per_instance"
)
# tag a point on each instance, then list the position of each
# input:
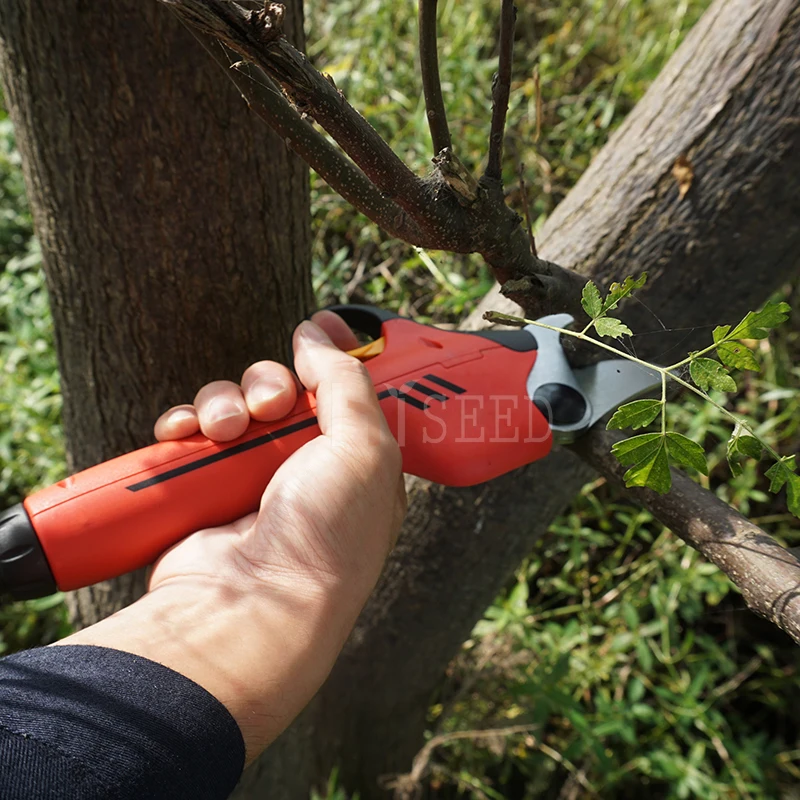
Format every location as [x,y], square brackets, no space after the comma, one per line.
[729,100]
[174,226]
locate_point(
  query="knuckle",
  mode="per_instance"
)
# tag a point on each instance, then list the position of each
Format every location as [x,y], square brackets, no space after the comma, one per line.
[353,368]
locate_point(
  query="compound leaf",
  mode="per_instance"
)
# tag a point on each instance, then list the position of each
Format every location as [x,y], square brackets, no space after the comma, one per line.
[686,453]
[757,324]
[710,374]
[635,415]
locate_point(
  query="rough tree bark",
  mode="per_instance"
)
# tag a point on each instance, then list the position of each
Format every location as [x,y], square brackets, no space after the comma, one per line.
[729,100]
[174,227]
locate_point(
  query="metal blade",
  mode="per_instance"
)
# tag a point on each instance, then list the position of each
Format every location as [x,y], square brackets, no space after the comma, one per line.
[609,384]
[557,389]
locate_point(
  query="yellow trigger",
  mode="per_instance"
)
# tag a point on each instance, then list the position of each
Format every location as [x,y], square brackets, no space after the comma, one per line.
[368,351]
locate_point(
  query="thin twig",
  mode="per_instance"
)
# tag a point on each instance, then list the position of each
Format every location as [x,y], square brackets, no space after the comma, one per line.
[431,84]
[501,90]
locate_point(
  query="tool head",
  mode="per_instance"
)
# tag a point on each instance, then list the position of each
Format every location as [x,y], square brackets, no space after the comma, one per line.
[573,400]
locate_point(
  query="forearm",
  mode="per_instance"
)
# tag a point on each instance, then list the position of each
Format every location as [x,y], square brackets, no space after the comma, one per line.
[262,652]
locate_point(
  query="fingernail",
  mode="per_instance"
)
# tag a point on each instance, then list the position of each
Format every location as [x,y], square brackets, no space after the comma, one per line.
[265,390]
[313,333]
[220,408]
[180,414]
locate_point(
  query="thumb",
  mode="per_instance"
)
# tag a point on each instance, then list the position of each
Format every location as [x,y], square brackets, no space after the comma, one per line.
[347,405]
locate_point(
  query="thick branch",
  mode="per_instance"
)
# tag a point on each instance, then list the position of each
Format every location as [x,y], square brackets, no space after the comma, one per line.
[501,90]
[429,66]
[257,36]
[344,177]
[765,572]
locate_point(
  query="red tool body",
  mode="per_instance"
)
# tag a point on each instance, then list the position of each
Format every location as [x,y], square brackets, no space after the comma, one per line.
[456,402]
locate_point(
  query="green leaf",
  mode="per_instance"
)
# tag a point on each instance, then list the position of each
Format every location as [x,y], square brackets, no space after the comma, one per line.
[710,374]
[742,445]
[608,326]
[648,455]
[780,472]
[591,301]
[637,448]
[635,415]
[757,324]
[783,472]
[720,333]
[793,494]
[686,453]
[736,355]
[653,471]
[619,291]
[742,441]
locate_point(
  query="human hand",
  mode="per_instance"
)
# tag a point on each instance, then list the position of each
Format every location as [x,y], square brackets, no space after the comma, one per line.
[331,513]
[257,611]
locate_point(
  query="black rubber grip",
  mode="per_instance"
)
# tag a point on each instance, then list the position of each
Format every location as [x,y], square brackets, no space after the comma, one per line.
[522,341]
[364,319]
[24,571]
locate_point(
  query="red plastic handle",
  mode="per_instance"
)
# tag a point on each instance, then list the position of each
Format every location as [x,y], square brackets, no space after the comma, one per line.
[456,403]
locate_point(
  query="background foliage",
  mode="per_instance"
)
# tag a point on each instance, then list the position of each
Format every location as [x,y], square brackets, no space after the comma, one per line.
[621,659]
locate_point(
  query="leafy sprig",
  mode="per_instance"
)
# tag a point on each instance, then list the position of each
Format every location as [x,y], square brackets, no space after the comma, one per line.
[648,455]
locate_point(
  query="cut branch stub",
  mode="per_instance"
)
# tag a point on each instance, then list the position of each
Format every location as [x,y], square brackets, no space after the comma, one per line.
[456,175]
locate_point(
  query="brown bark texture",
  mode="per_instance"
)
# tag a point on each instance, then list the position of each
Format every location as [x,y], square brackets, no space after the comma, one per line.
[174,226]
[729,100]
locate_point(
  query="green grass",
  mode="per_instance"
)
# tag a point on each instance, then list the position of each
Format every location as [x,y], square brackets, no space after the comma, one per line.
[631,662]
[31,440]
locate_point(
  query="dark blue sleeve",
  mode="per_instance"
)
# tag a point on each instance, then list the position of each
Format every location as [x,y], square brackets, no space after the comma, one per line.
[90,722]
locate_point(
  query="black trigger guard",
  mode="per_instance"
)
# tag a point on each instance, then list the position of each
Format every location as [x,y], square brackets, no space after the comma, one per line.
[363,318]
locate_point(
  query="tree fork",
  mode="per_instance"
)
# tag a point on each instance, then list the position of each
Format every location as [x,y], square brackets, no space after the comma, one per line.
[452,220]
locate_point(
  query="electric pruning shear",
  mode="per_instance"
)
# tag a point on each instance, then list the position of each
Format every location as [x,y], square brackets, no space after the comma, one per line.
[464,407]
